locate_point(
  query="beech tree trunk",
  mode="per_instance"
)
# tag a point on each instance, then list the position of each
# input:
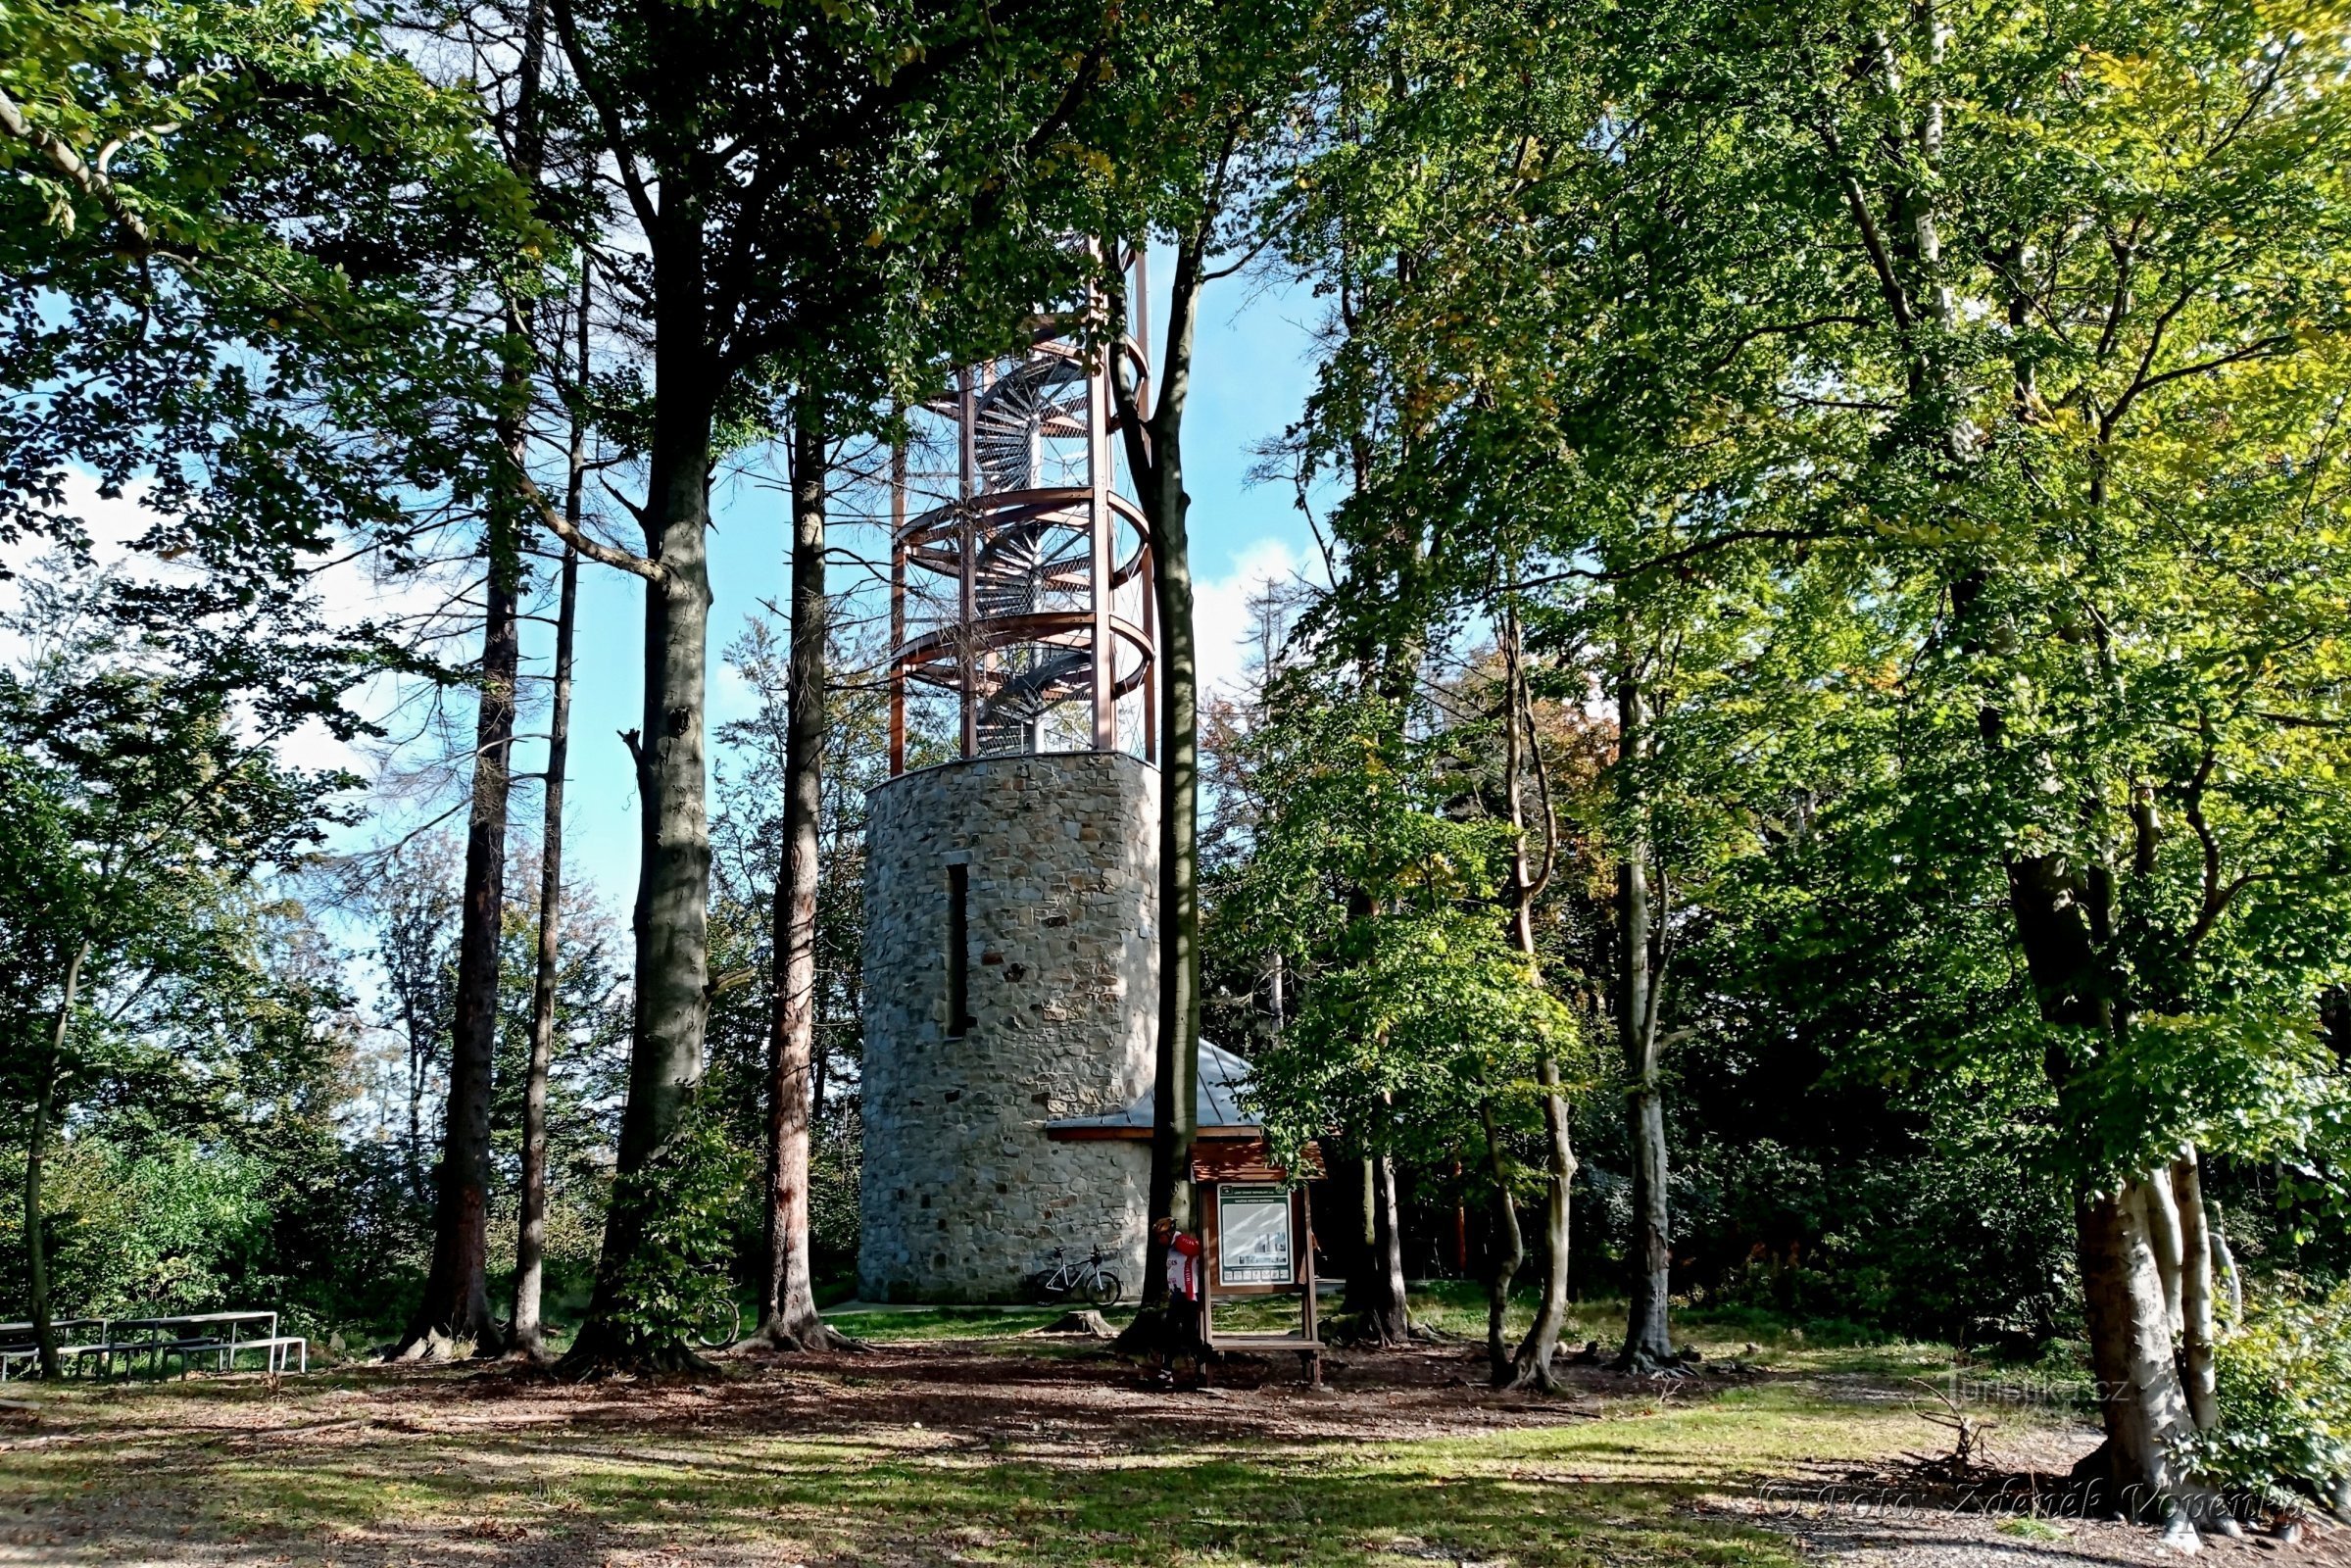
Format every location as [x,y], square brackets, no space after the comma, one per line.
[1648,1343]
[1507,1251]
[1532,1366]
[788,1317]
[2196,1293]
[2133,1242]
[1375,1291]
[1156,461]
[2133,1356]
[528,1335]
[670,917]
[37,1149]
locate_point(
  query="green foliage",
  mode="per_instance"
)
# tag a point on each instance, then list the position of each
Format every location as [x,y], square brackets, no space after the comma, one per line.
[2284,1383]
[1415,1016]
[255,308]
[685,1198]
[176,1228]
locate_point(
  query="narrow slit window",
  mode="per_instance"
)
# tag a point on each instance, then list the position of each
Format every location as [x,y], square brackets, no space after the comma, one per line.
[959,945]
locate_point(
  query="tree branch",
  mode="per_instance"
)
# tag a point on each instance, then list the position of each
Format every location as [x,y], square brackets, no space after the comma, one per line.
[594,549]
[91,180]
[608,118]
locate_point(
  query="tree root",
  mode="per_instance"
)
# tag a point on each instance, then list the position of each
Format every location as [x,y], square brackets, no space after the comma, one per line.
[814,1337]
[533,1356]
[1643,1362]
[1363,1331]
[437,1348]
[1529,1374]
[592,1362]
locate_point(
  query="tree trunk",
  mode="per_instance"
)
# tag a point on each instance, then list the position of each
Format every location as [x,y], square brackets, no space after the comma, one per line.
[2124,1238]
[670,918]
[788,1317]
[2196,1293]
[2223,1263]
[455,1308]
[2163,1235]
[527,1333]
[1377,1298]
[1507,1252]
[413,1154]
[2133,1356]
[454,1317]
[1648,1344]
[1532,1366]
[1154,459]
[1363,1241]
[36,1247]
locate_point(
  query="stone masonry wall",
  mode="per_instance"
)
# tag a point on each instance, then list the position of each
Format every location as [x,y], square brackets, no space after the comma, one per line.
[963,1194]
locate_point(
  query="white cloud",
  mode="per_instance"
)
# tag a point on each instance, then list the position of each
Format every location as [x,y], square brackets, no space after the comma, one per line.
[1223,628]
[345,592]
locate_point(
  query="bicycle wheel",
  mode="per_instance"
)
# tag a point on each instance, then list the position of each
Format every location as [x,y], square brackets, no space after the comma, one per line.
[1103,1289]
[721,1326]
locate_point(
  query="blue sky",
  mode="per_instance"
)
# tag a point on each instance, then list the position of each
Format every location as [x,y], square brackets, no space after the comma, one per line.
[1253,369]
[1253,372]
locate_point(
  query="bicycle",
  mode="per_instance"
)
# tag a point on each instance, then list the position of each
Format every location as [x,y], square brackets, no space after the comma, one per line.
[1087,1280]
[719,1324]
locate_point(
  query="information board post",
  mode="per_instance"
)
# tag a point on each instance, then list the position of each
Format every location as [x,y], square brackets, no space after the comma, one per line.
[1260,1242]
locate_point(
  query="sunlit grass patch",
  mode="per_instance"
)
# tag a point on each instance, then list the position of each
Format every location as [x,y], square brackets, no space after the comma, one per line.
[1622,1488]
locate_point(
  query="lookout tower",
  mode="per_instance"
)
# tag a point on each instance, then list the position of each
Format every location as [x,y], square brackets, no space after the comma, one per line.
[1011,955]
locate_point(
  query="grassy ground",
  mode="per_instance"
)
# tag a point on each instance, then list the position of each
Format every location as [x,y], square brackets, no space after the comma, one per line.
[959,1438]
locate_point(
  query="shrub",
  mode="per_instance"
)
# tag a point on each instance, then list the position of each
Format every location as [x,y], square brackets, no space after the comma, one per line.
[686,1196]
[2284,1383]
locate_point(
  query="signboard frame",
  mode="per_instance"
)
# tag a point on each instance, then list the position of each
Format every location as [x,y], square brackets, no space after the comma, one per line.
[1245,1205]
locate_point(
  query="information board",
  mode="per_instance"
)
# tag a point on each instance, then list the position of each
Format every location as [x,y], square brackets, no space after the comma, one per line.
[1252,1235]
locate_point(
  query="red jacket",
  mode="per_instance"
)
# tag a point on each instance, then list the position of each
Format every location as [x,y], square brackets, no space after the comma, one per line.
[1184,1266]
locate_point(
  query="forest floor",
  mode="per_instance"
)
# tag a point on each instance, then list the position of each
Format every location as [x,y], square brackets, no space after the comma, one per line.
[966,1439]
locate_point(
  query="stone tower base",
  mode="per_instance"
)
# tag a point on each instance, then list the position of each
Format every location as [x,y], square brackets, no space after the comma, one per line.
[1055,858]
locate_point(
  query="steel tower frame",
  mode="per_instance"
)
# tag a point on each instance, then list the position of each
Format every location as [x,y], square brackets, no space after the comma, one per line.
[1032,561]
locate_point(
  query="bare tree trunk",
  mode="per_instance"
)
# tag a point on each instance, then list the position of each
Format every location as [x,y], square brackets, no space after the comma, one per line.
[1156,460]
[528,1336]
[455,1317]
[671,915]
[2196,1293]
[1531,1366]
[414,1154]
[2163,1236]
[528,1333]
[1385,1319]
[1508,1252]
[788,1317]
[2134,1358]
[1648,1344]
[2223,1263]
[455,1308]
[36,1247]
[1175,1097]
[2124,1238]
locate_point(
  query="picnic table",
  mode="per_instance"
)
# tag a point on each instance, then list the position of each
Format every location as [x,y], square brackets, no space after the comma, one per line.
[222,1336]
[21,1349]
[188,1335]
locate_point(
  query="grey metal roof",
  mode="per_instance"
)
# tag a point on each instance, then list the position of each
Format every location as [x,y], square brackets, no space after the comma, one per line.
[1222,1077]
